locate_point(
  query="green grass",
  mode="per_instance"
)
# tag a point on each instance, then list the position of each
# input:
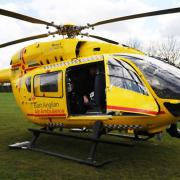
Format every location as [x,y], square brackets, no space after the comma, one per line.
[147,160]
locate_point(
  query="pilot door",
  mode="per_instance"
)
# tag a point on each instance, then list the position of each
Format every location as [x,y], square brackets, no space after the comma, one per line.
[125,91]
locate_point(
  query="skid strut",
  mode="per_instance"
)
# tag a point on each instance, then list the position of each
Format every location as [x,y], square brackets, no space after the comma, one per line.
[94,138]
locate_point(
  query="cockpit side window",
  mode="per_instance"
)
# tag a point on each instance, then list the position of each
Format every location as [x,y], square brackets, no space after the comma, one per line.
[163,78]
[122,75]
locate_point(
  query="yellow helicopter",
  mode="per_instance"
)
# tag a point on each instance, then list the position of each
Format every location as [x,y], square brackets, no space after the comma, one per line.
[74,83]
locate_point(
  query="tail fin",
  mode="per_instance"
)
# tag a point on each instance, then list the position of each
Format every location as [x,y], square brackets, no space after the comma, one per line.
[5,75]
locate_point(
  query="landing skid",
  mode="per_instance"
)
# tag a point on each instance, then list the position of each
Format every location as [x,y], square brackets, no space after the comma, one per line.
[94,138]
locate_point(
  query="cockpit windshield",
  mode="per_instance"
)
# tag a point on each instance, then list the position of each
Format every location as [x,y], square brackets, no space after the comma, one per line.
[163,77]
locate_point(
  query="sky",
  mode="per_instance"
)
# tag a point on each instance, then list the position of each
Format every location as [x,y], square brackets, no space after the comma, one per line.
[81,12]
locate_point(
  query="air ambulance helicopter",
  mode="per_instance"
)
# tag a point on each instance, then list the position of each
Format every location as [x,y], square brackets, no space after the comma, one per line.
[74,83]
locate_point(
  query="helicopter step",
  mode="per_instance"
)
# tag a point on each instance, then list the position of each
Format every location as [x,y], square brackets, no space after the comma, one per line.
[135,137]
[94,138]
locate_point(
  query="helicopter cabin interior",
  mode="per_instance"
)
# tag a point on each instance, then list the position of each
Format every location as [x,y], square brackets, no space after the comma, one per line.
[86,89]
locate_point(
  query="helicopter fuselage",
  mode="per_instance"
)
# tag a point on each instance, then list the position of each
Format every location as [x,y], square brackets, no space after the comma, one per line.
[42,75]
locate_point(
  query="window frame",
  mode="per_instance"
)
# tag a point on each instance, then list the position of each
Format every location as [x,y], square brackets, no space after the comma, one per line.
[60,71]
[133,80]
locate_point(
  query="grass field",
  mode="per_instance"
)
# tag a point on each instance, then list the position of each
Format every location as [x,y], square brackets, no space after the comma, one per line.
[147,160]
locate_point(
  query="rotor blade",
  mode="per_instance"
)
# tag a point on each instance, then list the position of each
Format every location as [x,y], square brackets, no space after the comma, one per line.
[147,14]
[26,39]
[100,38]
[24,17]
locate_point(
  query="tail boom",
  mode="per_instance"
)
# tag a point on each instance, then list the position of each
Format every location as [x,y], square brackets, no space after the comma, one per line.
[5,75]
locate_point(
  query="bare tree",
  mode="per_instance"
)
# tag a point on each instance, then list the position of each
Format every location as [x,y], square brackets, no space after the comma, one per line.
[151,50]
[169,50]
[134,43]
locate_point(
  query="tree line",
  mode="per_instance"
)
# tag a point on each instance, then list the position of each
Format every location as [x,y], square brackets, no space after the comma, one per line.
[167,50]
